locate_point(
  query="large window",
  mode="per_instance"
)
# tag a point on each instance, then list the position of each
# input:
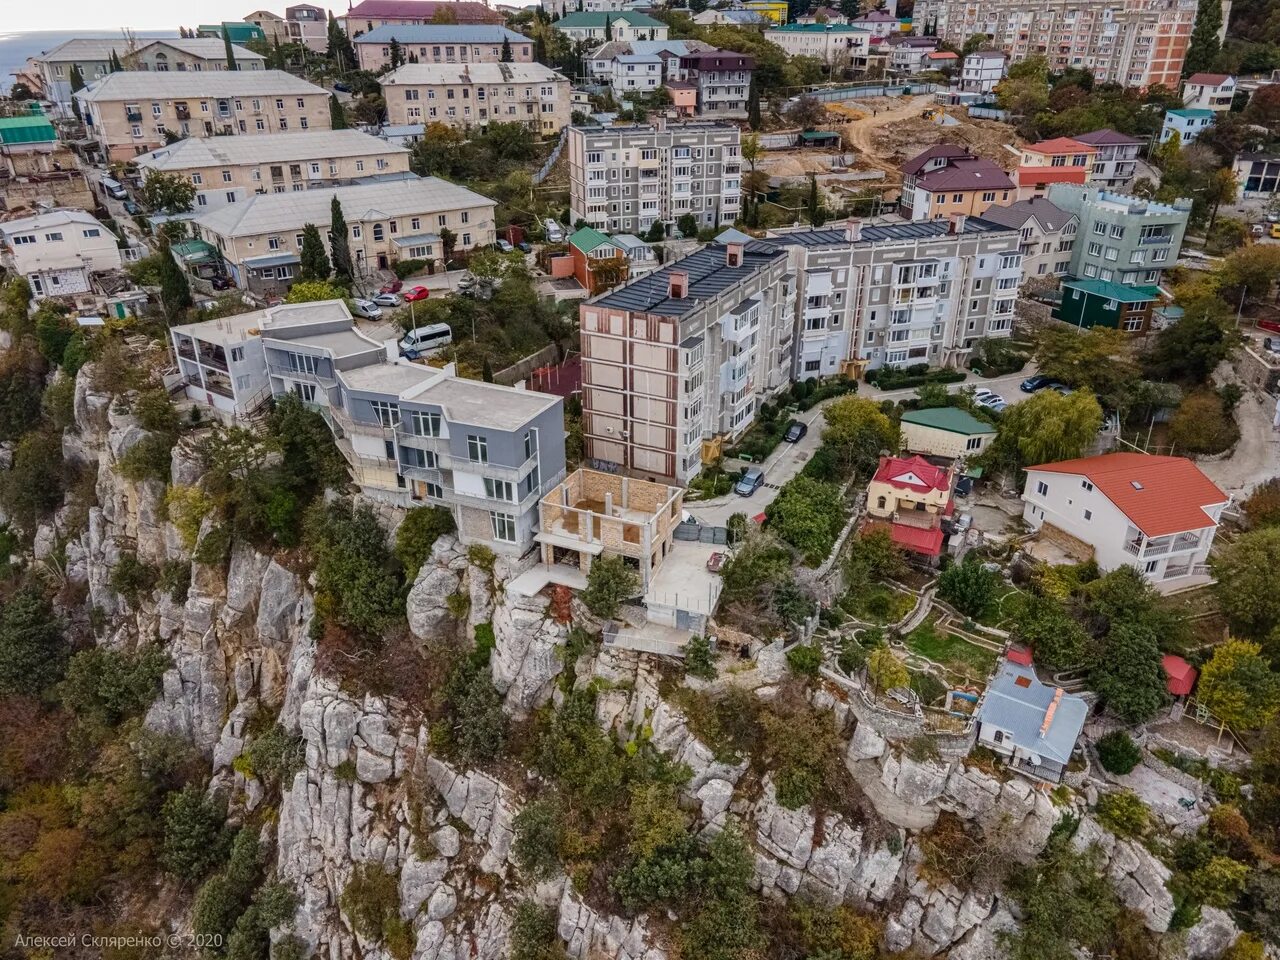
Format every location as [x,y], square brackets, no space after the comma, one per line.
[499,489]
[477,448]
[424,423]
[388,414]
[504,527]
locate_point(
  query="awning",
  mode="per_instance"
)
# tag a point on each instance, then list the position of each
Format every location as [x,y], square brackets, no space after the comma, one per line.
[272,260]
[194,251]
[417,240]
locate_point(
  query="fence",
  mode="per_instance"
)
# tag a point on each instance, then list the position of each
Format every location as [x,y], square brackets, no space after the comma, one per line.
[545,170]
[521,369]
[865,89]
[701,533]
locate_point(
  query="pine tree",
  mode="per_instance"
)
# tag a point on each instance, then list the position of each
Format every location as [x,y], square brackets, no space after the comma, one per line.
[77,83]
[506,51]
[231,54]
[813,201]
[753,104]
[175,292]
[396,53]
[337,115]
[339,247]
[314,261]
[1204,48]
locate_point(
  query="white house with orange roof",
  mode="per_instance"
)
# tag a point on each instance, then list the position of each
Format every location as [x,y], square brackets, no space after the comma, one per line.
[1158,514]
[1060,160]
[909,496]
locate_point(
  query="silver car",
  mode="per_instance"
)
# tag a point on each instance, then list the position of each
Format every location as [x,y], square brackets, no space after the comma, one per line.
[366,308]
[387,300]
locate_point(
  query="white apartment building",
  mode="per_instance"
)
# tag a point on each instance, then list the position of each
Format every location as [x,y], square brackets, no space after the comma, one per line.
[623,179]
[58,251]
[232,169]
[982,70]
[1137,43]
[477,94]
[832,43]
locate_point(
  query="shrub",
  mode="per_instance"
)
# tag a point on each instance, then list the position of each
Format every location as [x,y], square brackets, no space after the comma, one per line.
[533,933]
[275,756]
[1118,753]
[852,656]
[805,659]
[196,840]
[969,586]
[886,670]
[539,828]
[808,515]
[371,902]
[150,458]
[345,771]
[356,581]
[104,687]
[175,580]
[1203,425]
[1123,813]
[214,547]
[131,578]
[609,584]
[33,652]
[699,659]
[417,534]
[1219,882]
[407,268]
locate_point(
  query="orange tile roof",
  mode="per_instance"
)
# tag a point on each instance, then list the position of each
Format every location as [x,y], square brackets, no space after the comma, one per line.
[916,539]
[1159,495]
[1061,145]
[1032,175]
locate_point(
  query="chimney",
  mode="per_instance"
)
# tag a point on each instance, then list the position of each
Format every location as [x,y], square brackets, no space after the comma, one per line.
[957,223]
[677,284]
[853,229]
[1050,711]
[733,255]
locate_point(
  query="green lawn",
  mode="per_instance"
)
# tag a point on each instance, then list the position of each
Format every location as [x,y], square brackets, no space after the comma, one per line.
[877,603]
[959,655]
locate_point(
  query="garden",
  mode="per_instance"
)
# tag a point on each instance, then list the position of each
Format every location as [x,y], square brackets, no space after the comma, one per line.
[933,642]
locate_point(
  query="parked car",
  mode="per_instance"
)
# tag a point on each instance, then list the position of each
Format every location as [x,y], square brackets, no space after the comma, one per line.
[466,282]
[795,430]
[1062,388]
[1038,382]
[504,246]
[132,209]
[414,294]
[553,230]
[982,393]
[989,400]
[395,286]
[1275,231]
[365,308]
[221,283]
[387,300]
[114,189]
[342,86]
[524,246]
[752,480]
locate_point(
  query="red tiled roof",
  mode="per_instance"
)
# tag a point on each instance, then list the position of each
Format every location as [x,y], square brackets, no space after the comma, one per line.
[1160,495]
[943,55]
[1181,675]
[916,539]
[912,473]
[1209,79]
[1062,145]
[1019,654]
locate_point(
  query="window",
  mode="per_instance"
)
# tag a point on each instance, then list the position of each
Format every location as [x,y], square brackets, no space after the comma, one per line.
[973,443]
[424,423]
[477,448]
[530,443]
[499,489]
[377,231]
[1095,249]
[355,232]
[1088,487]
[1042,488]
[1100,228]
[231,196]
[504,527]
[53,237]
[92,232]
[1152,565]
[1088,514]
[388,413]
[989,197]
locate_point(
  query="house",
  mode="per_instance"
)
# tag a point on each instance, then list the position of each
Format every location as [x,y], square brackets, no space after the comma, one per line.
[368,15]
[238,32]
[58,251]
[1061,160]
[879,23]
[822,15]
[983,70]
[945,432]
[1047,234]
[1100,303]
[946,180]
[1116,162]
[1258,174]
[721,80]
[1156,514]
[1119,237]
[559,8]
[470,95]
[307,25]
[601,67]
[836,45]
[641,257]
[910,497]
[232,169]
[634,73]
[260,240]
[55,67]
[910,55]
[1033,725]
[941,60]
[195,54]
[620,25]
[442,43]
[1209,91]
[1187,124]
[37,170]
[734,18]
[598,261]
[273,26]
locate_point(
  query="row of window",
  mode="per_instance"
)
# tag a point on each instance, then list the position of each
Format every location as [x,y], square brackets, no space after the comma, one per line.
[55,236]
[413,93]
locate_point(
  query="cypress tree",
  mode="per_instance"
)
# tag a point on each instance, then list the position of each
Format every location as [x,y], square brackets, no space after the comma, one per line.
[339,247]
[175,292]
[396,53]
[506,50]
[813,201]
[337,115]
[339,48]
[608,29]
[314,261]
[77,83]
[753,104]
[226,42]
[1204,47]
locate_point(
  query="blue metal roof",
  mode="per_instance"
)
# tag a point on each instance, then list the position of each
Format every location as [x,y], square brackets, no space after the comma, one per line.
[1018,703]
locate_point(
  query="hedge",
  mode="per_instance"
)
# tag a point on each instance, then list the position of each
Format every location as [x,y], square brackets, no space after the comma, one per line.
[916,375]
[407,268]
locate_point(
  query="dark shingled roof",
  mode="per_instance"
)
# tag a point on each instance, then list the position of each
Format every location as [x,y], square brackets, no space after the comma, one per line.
[1106,138]
[709,276]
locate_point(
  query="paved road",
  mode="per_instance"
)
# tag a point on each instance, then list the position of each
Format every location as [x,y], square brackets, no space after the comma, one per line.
[788,459]
[1257,456]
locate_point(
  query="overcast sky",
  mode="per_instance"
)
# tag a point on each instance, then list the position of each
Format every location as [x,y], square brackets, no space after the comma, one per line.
[26,15]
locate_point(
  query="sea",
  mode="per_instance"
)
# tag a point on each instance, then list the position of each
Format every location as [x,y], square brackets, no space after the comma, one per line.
[15,48]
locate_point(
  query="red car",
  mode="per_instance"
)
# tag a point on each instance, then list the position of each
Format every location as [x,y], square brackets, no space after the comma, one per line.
[393,287]
[416,293]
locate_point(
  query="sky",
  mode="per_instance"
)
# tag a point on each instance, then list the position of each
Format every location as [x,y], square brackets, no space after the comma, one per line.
[139,14]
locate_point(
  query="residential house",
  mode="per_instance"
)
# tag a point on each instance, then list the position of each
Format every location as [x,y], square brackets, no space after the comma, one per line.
[133,113]
[942,60]
[1258,174]
[37,170]
[1122,238]
[983,70]
[679,361]
[734,18]
[1156,514]
[598,261]
[946,180]
[837,45]
[55,67]
[1209,91]
[368,15]
[910,55]
[308,25]
[600,66]
[1116,162]
[822,15]
[909,497]
[1187,124]
[560,8]
[775,11]
[620,25]
[1034,725]
[945,432]
[634,74]
[879,23]
[238,32]
[625,178]
[641,257]
[195,54]
[477,94]
[1061,160]
[442,43]
[273,26]
[260,240]
[1047,234]
[58,251]
[1099,303]
[721,80]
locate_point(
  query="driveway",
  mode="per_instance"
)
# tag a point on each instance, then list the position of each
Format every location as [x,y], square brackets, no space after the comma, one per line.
[1257,456]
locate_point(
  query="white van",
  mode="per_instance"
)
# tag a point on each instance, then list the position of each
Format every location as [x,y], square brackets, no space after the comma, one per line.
[114,188]
[422,340]
[553,231]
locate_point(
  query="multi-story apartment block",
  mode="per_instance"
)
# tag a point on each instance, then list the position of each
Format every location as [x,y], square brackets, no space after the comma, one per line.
[898,294]
[626,178]
[685,355]
[1122,238]
[477,94]
[983,70]
[260,240]
[232,169]
[1116,162]
[133,113]
[1137,43]
[368,15]
[946,181]
[623,25]
[442,43]
[720,80]
[1046,233]
[194,54]
[602,64]
[1061,160]
[833,43]
[58,251]
[631,74]
[411,434]
[301,23]
[1209,91]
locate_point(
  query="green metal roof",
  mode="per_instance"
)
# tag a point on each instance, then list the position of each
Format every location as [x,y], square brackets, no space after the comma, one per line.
[1193,114]
[194,251]
[1113,291]
[821,28]
[239,32]
[591,20]
[818,136]
[950,419]
[586,239]
[30,129]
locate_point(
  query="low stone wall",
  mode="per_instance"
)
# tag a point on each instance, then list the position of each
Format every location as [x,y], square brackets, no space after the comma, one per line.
[899,727]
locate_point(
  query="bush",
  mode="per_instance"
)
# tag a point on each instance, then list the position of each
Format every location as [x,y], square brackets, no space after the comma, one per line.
[407,268]
[275,756]
[609,583]
[852,656]
[886,670]
[196,840]
[132,579]
[808,515]
[805,659]
[104,687]
[538,831]
[900,378]
[33,652]
[969,586]
[699,659]
[371,902]
[533,933]
[150,458]
[1118,753]
[1203,425]
[356,579]
[1123,813]
[417,534]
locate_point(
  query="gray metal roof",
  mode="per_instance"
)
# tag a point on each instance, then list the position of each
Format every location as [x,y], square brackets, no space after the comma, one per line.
[427,74]
[168,84]
[1017,702]
[410,33]
[709,276]
[267,148]
[882,232]
[1042,209]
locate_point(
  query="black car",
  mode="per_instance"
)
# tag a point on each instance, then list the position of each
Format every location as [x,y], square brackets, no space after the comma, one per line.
[524,247]
[795,430]
[342,86]
[1038,382]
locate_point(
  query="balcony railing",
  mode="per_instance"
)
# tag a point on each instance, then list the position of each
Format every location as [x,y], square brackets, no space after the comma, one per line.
[1157,238]
[133,116]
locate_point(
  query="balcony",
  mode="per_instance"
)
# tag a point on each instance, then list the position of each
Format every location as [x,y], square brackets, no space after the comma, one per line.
[1156,239]
[284,370]
[452,495]
[182,112]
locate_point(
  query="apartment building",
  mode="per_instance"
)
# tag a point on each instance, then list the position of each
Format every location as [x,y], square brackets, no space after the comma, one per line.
[833,43]
[1209,91]
[734,18]
[302,23]
[1122,238]
[983,70]
[623,25]
[560,8]
[442,43]
[1116,162]
[37,170]
[1046,232]
[368,15]
[194,54]
[477,94]
[608,62]
[720,81]
[947,180]
[133,113]
[685,356]
[1137,43]
[895,294]
[260,240]
[55,67]
[58,251]
[412,435]
[631,74]
[232,169]
[626,178]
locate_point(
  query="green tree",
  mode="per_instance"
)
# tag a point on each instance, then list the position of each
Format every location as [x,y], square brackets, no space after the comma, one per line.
[1202,424]
[339,48]
[687,224]
[858,431]
[886,670]
[1204,47]
[168,192]
[1238,686]
[533,933]
[1097,358]
[1118,753]
[1066,902]
[33,652]
[506,50]
[1057,638]
[76,81]
[1128,676]
[357,582]
[32,488]
[975,43]
[1123,813]
[417,534]
[699,658]
[175,292]
[229,49]
[395,54]
[539,828]
[337,113]
[196,839]
[339,244]
[314,261]
[610,583]
[807,514]
[753,110]
[969,586]
[1244,572]
[1192,348]
[105,687]
[1047,427]
[313,291]
[608,29]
